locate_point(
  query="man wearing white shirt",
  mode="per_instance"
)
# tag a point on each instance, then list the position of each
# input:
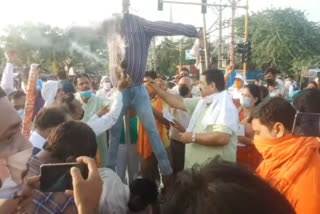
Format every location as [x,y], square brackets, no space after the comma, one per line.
[45,122]
[102,120]
[7,80]
[184,72]
[177,147]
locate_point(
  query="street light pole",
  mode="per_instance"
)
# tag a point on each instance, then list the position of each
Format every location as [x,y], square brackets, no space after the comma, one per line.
[232,47]
[246,39]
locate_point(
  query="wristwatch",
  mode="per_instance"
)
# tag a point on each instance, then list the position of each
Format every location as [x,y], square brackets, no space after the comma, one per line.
[193,137]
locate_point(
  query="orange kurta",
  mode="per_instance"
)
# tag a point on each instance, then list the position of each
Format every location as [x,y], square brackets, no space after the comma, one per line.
[291,165]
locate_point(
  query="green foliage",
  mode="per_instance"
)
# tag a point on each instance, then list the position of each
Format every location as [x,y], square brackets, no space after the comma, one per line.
[35,43]
[168,55]
[281,38]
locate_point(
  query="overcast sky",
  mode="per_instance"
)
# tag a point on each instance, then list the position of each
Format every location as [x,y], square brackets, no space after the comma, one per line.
[64,13]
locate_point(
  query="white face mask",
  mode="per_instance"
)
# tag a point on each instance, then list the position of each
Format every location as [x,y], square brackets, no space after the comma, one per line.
[245,102]
[107,86]
[13,172]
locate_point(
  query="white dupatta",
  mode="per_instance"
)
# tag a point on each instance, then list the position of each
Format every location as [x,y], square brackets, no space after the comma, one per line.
[220,112]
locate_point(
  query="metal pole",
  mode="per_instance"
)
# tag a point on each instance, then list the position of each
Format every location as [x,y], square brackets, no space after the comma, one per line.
[125,6]
[246,39]
[232,48]
[220,39]
[205,41]
[180,50]
[154,54]
[209,5]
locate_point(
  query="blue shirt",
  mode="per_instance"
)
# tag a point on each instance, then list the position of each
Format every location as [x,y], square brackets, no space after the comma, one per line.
[138,34]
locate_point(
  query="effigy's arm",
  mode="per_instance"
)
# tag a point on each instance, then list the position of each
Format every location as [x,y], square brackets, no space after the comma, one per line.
[30,100]
[162,28]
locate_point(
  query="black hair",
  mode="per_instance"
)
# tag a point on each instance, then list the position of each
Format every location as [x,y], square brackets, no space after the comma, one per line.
[307,101]
[146,189]
[153,75]
[264,92]
[16,95]
[71,139]
[215,76]
[275,110]
[67,100]
[184,69]
[2,93]
[273,71]
[62,75]
[255,92]
[221,187]
[77,76]
[50,118]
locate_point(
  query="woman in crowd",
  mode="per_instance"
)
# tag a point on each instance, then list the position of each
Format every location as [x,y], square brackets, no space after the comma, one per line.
[51,92]
[264,93]
[68,141]
[105,89]
[246,151]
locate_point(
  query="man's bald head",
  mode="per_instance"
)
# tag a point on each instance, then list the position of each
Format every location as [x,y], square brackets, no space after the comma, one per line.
[185,87]
[186,81]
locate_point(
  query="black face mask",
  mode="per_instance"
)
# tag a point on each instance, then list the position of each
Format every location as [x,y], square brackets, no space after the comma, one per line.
[183,90]
[271,82]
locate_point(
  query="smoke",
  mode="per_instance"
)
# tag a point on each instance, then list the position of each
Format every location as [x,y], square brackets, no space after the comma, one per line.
[116,46]
[84,51]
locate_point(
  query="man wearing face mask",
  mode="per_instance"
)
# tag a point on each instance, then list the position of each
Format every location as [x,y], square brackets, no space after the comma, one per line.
[105,88]
[91,104]
[15,151]
[183,118]
[275,89]
[290,163]
[184,72]
[18,99]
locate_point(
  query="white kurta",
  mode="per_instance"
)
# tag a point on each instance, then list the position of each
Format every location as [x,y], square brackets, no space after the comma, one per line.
[102,124]
[7,81]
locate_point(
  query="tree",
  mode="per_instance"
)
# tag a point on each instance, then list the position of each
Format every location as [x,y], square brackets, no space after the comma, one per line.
[35,43]
[281,37]
[168,55]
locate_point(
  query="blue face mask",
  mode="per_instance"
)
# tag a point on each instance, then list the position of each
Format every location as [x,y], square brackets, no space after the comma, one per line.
[86,94]
[245,102]
[21,113]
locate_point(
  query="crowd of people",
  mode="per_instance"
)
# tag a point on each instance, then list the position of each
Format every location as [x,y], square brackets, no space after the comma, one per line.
[158,146]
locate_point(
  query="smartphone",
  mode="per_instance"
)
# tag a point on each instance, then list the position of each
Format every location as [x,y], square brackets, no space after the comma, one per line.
[306,124]
[57,177]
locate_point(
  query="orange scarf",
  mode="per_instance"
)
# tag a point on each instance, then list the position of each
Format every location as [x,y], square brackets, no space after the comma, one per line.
[291,165]
[144,145]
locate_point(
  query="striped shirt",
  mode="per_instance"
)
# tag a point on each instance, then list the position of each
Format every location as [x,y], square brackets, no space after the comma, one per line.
[48,202]
[138,34]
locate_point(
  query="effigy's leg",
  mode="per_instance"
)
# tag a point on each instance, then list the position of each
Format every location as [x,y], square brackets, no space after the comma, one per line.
[142,106]
[115,132]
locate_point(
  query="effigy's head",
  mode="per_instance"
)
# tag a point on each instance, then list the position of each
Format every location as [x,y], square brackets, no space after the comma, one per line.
[112,26]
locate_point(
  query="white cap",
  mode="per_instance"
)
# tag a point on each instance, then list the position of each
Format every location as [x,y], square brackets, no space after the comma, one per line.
[49,91]
[240,77]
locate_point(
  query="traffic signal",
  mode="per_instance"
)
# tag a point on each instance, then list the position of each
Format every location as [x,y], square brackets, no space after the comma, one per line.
[204,7]
[240,48]
[160,5]
[247,52]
